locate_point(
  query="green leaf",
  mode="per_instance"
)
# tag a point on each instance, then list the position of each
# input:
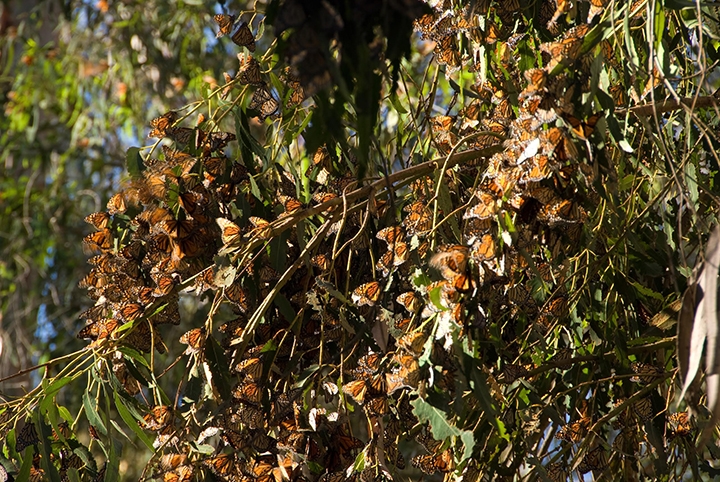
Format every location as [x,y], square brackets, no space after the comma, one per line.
[438,419]
[135,355]
[112,470]
[92,414]
[446,205]
[85,456]
[24,473]
[468,440]
[306,374]
[131,418]
[217,362]
[134,162]
[286,309]
[52,389]
[73,475]
[397,105]
[436,298]
[45,448]
[359,464]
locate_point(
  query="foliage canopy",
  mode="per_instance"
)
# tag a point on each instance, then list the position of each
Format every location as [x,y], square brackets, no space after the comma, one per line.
[465,247]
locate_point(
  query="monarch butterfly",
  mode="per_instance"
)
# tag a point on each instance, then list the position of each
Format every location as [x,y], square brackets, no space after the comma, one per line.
[595,459]
[267,274]
[176,229]
[248,392]
[243,37]
[227,86]
[182,473]
[393,455]
[116,204]
[93,280]
[645,372]
[513,371]
[158,418]
[563,6]
[261,442]
[450,260]
[225,23]
[230,232]
[643,409]
[99,220]
[413,342]
[446,52]
[26,437]
[251,417]
[596,8]
[556,472]
[486,208]
[63,429]
[475,228]
[321,261]
[424,24]
[419,218]
[409,367]
[131,311]
[99,241]
[222,465]
[539,169]
[181,135]
[250,367]
[448,296]
[575,431]
[394,257]
[566,50]
[261,228]
[530,105]
[536,79]
[215,141]
[409,300]
[290,204]
[378,405]
[679,425]
[366,294]
[194,339]
[431,463]
[583,129]
[491,34]
[394,382]
[297,96]
[563,212]
[249,72]
[483,249]
[36,474]
[98,330]
[263,101]
[161,125]
[357,389]
[264,464]
[558,307]
[105,263]
[368,365]
[283,404]
[214,167]
[618,93]
[236,295]
[171,461]
[390,235]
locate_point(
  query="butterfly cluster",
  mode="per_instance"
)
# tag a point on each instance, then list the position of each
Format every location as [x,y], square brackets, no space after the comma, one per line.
[378,301]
